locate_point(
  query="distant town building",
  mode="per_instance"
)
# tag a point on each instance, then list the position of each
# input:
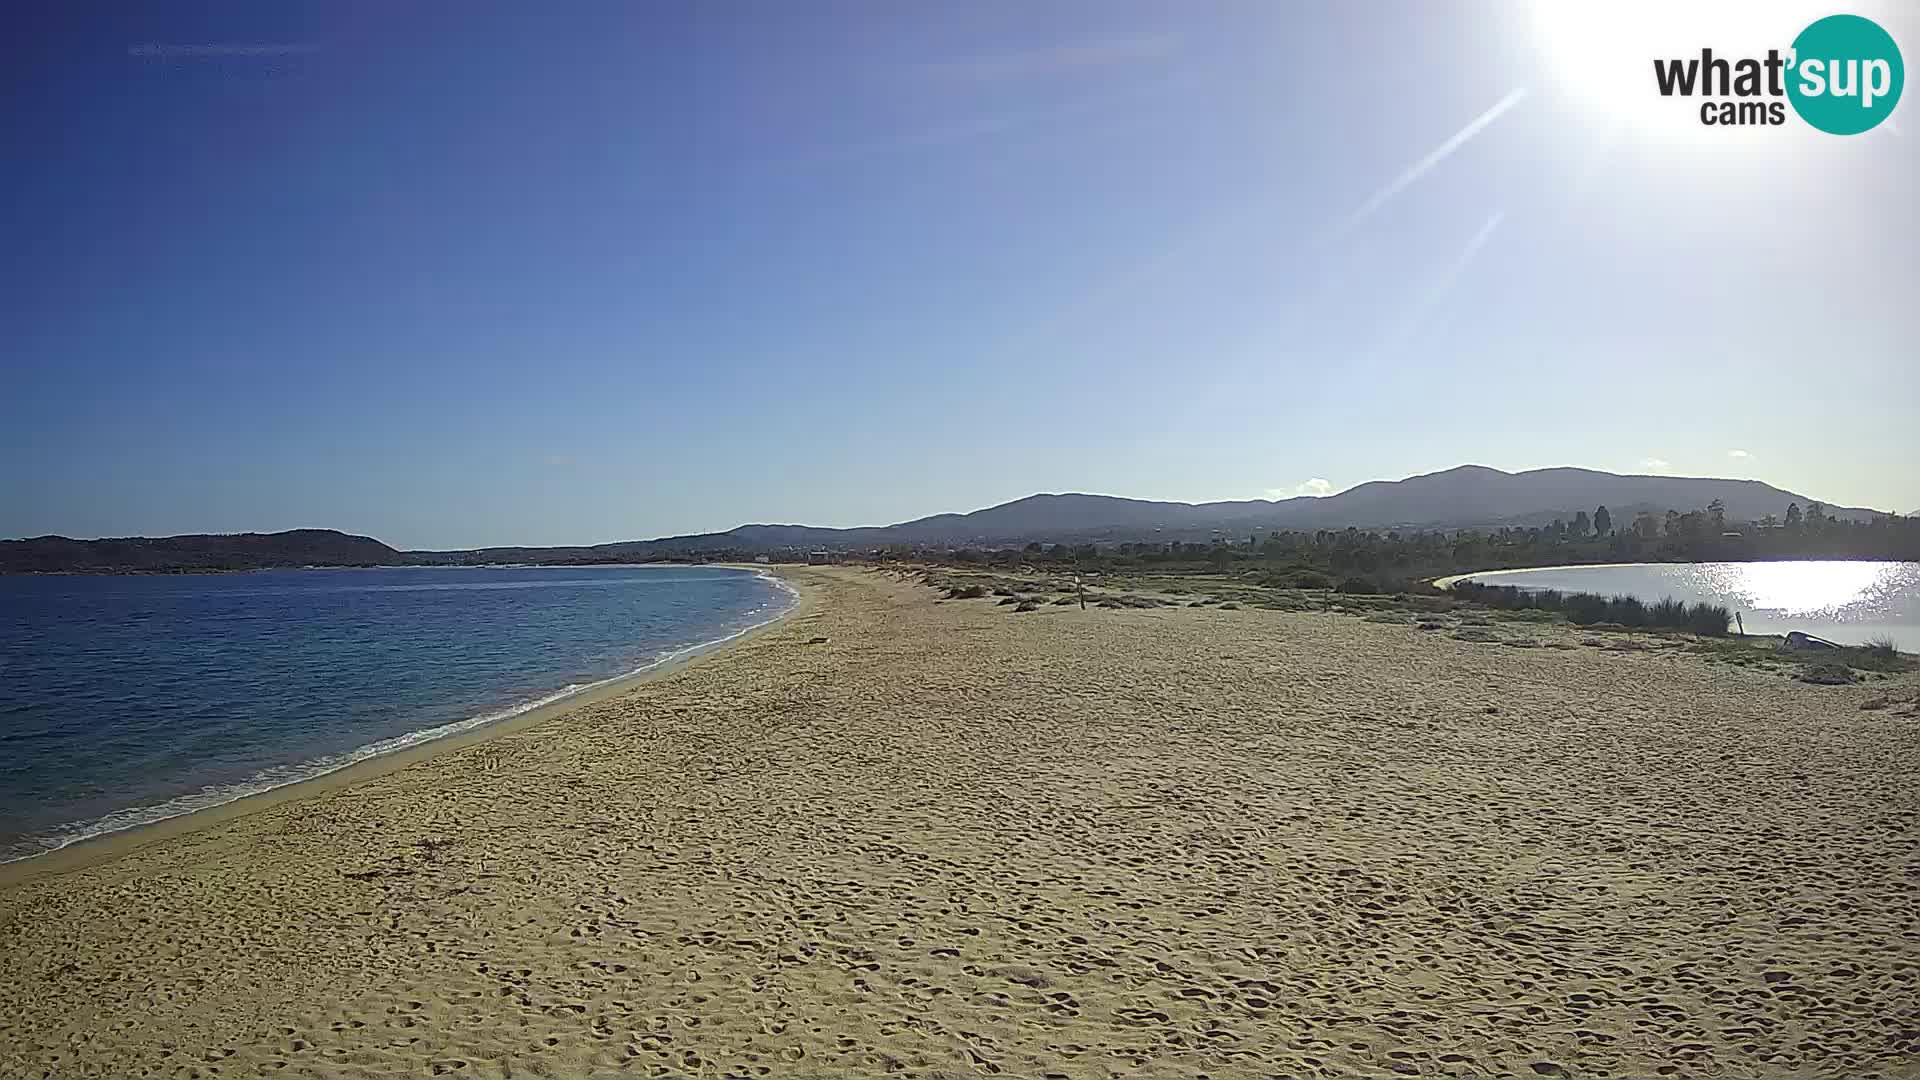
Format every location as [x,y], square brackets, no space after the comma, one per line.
[763,558]
[819,558]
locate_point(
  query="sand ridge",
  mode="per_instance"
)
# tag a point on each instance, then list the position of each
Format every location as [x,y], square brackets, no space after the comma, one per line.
[952,840]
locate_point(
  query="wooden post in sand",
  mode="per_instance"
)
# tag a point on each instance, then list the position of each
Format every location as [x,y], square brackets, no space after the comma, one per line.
[1081,588]
[1738,623]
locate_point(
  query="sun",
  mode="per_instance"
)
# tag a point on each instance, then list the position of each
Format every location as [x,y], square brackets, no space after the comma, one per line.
[1594,65]
[1599,56]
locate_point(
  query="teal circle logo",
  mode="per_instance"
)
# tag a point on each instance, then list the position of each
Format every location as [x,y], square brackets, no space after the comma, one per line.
[1847,75]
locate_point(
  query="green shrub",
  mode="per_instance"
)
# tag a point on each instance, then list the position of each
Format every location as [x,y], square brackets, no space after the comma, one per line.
[1585,609]
[1626,611]
[1588,609]
[1668,612]
[1712,620]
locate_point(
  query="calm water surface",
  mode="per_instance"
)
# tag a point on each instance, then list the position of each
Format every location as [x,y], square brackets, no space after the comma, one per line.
[1848,602]
[127,700]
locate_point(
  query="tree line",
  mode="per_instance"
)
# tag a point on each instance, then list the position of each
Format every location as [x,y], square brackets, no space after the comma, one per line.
[1393,559]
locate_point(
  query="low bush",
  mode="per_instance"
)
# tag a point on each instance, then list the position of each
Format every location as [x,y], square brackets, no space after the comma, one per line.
[1585,609]
[1710,620]
[1293,577]
[1668,612]
[1626,611]
[1590,609]
[1827,674]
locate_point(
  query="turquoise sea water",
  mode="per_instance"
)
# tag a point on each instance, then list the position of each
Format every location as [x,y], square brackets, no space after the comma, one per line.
[1849,602]
[130,699]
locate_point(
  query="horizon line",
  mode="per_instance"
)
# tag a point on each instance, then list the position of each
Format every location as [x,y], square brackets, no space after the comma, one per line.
[960,514]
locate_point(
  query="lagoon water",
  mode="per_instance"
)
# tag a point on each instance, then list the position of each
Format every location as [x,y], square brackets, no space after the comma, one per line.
[1848,602]
[130,699]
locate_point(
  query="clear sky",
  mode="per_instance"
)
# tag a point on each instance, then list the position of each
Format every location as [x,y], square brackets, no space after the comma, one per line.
[469,274]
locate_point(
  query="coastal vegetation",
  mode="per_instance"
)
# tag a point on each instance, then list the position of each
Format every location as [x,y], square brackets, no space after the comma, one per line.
[1386,561]
[1587,609]
[1491,614]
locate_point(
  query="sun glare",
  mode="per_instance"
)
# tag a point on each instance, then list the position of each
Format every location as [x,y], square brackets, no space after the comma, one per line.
[1799,588]
[1597,58]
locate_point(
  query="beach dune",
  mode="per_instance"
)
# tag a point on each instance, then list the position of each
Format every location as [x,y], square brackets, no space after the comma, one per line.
[951,840]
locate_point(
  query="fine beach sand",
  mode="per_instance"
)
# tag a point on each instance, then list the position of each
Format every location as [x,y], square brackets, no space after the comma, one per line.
[952,840]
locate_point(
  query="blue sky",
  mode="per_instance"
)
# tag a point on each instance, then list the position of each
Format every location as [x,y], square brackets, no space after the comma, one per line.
[457,275]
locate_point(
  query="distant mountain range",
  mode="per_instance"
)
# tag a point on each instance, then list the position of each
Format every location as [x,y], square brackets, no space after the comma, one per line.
[1468,496]
[1463,497]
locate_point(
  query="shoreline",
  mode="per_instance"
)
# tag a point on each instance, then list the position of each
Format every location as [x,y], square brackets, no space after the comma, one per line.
[106,846]
[1449,580]
[924,838]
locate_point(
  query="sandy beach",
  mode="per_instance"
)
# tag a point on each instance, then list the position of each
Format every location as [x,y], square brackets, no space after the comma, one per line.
[951,840]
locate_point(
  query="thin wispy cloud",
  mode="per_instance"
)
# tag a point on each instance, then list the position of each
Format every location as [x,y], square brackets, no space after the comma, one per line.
[1420,313]
[1738,454]
[1464,259]
[1227,223]
[1439,154]
[1654,464]
[1066,58]
[980,125]
[557,461]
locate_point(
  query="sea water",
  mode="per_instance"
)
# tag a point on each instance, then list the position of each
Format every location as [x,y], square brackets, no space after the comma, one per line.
[126,700]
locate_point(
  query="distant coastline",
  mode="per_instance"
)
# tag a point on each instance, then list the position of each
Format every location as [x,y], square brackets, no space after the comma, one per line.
[1469,498]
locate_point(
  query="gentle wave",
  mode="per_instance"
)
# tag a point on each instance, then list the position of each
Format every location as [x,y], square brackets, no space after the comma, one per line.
[280,776]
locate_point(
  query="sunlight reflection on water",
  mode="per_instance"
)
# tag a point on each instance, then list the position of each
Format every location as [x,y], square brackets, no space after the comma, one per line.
[1801,588]
[1849,601]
